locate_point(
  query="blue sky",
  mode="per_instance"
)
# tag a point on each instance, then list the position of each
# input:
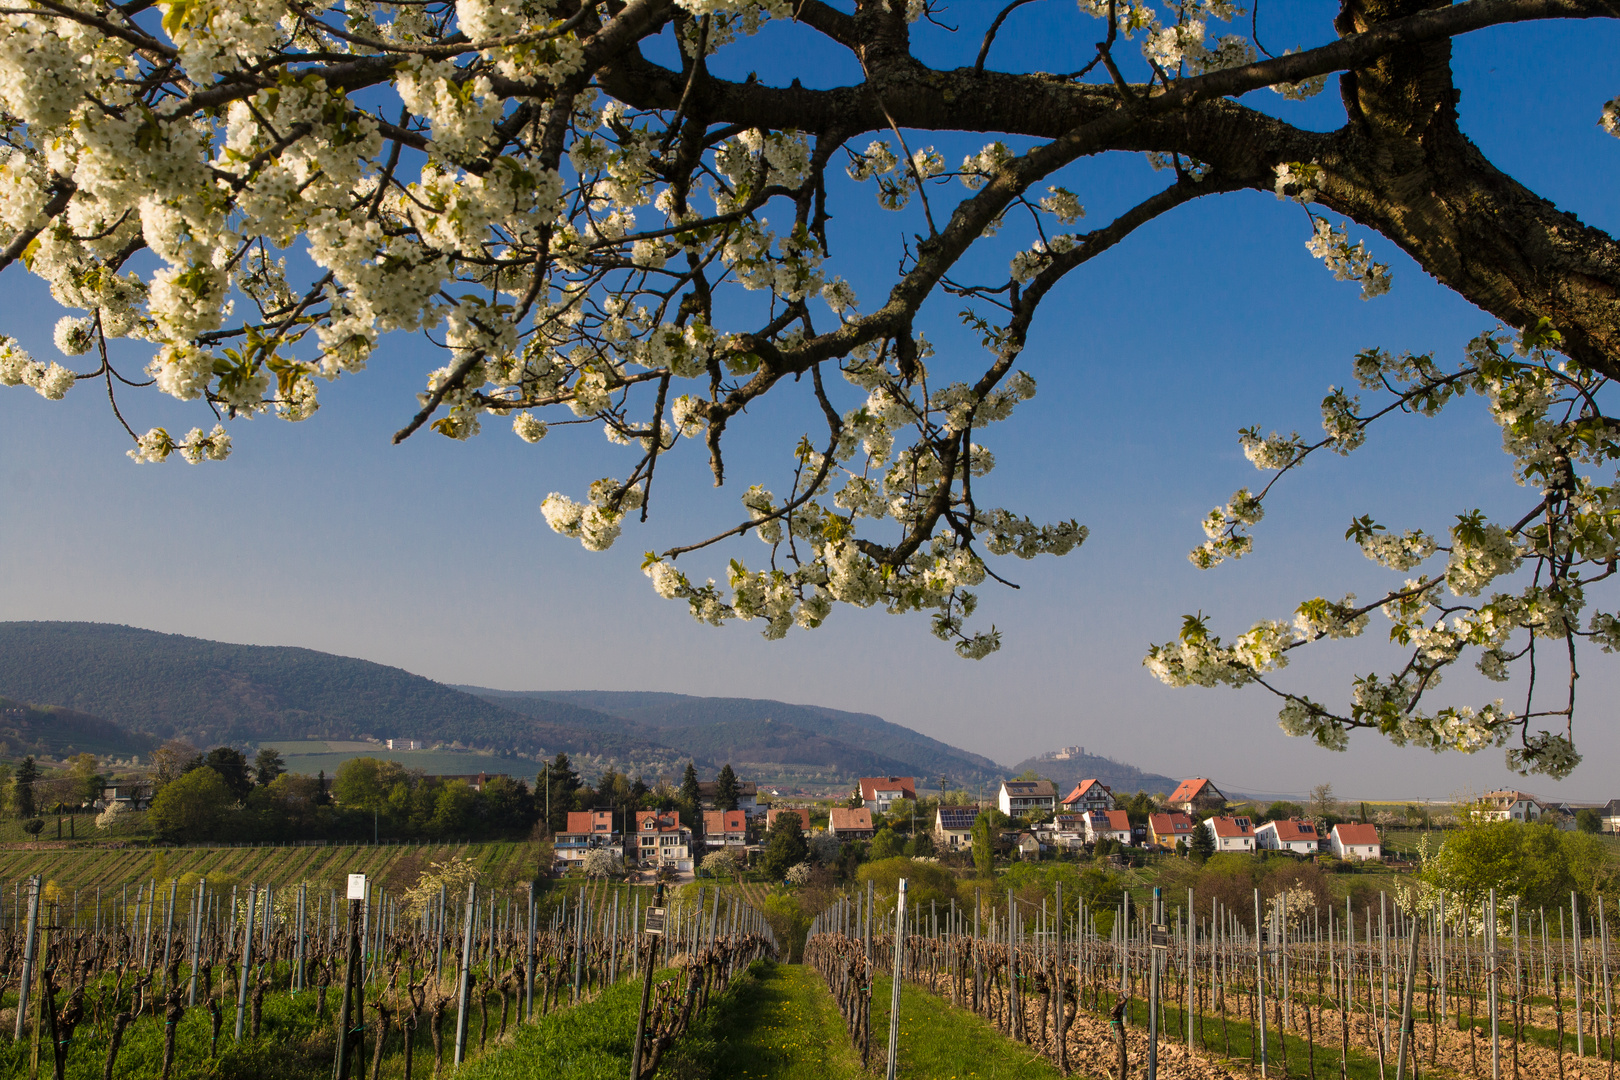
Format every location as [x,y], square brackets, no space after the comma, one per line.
[433,555]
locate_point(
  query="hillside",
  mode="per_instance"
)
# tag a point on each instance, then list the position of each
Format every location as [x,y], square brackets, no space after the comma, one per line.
[210,692]
[1121,778]
[762,730]
[54,732]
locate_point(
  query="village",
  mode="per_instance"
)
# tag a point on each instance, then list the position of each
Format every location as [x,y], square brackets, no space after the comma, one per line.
[1027,820]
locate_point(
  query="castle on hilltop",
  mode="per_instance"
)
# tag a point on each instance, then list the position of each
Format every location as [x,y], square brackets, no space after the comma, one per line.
[1066,753]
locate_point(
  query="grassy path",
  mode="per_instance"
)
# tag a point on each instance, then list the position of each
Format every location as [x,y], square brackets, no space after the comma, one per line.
[942,1042]
[786,1027]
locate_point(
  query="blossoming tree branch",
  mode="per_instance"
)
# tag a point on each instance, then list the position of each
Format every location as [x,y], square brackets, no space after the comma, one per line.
[601,231]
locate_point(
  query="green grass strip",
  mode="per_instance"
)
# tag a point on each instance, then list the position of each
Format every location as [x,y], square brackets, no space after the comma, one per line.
[783,1026]
[942,1042]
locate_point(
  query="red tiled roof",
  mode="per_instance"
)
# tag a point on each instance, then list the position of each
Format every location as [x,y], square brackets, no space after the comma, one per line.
[579,821]
[724,821]
[1292,830]
[1187,790]
[1083,788]
[1173,824]
[871,785]
[657,821]
[851,820]
[1358,835]
[1117,820]
[1231,827]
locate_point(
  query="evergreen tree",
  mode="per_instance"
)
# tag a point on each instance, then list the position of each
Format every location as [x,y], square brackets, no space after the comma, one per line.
[27,775]
[689,787]
[560,782]
[268,764]
[232,766]
[1203,842]
[726,786]
[785,846]
[322,796]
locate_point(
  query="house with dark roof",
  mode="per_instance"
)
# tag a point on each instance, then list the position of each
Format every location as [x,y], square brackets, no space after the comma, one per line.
[1019,797]
[1197,796]
[953,826]
[747,795]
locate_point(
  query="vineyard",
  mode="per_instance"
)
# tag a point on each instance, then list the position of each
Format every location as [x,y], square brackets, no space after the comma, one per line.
[297,979]
[88,869]
[1202,996]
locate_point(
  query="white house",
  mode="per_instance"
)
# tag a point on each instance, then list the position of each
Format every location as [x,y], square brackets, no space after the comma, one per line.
[1231,833]
[1611,816]
[1069,830]
[1290,834]
[747,796]
[878,793]
[1020,797]
[1508,805]
[1356,842]
[1108,825]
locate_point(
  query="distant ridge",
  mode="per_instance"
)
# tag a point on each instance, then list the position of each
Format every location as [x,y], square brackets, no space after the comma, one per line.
[760,730]
[142,686]
[211,692]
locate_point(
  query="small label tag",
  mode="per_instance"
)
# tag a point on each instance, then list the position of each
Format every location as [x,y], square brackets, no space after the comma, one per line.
[655,920]
[357,886]
[1159,936]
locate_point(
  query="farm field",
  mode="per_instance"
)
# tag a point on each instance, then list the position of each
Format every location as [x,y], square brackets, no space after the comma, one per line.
[88,868]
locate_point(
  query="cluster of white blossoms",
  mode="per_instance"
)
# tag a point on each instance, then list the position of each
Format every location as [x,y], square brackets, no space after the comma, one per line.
[1609,119]
[1547,410]
[157,444]
[1183,42]
[18,368]
[1349,262]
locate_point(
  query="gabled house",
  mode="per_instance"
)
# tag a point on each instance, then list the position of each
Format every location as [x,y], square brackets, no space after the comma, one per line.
[725,829]
[847,824]
[1020,797]
[1509,805]
[661,841]
[1028,846]
[1231,833]
[1108,825]
[1088,795]
[586,829]
[1358,842]
[878,793]
[801,812]
[1197,796]
[747,796]
[953,826]
[1289,834]
[134,795]
[1165,829]
[1611,816]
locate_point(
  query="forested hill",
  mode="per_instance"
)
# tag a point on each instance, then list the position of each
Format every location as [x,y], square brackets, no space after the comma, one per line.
[211,692]
[54,732]
[762,730]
